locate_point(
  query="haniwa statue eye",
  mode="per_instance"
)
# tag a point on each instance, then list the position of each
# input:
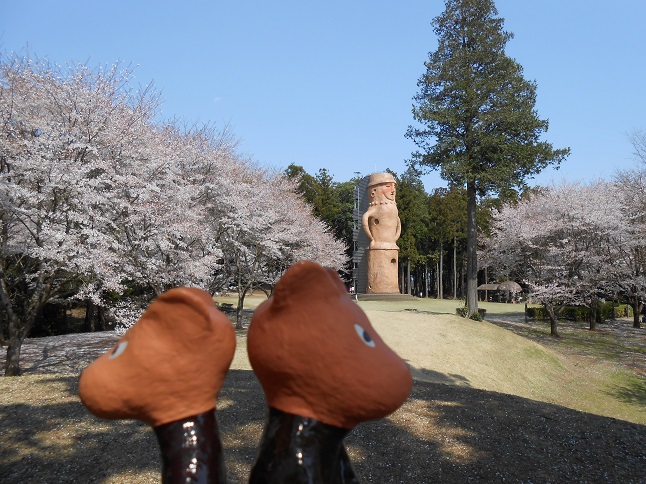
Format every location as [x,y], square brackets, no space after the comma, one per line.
[364,335]
[121,347]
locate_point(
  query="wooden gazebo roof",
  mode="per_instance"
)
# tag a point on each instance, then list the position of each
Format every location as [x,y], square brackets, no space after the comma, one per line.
[510,286]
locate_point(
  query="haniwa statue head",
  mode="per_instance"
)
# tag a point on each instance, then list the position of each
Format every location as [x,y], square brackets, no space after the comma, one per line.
[382,185]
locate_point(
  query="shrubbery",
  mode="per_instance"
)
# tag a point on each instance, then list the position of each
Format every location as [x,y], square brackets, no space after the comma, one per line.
[582,313]
[479,316]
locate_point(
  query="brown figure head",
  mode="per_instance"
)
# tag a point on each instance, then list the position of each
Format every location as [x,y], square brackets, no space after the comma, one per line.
[170,365]
[382,187]
[317,355]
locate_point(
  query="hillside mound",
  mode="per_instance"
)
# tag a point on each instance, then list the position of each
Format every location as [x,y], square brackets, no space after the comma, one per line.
[441,348]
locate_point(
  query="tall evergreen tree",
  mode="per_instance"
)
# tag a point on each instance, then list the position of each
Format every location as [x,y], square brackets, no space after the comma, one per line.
[447,218]
[413,213]
[477,113]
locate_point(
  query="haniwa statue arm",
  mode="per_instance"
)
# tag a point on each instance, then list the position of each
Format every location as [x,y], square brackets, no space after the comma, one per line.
[366,226]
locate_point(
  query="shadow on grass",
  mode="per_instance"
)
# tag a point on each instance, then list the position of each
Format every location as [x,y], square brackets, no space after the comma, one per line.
[62,442]
[432,376]
[632,392]
[443,433]
[458,434]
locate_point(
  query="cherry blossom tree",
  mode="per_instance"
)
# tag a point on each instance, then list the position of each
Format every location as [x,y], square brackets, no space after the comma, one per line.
[638,139]
[62,133]
[630,269]
[266,228]
[564,243]
[96,198]
[99,201]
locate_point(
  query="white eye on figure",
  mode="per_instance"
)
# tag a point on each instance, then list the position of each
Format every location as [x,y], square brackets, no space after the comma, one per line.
[121,347]
[364,335]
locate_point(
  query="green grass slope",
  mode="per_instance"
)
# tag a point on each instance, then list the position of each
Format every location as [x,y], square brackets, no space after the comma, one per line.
[442,348]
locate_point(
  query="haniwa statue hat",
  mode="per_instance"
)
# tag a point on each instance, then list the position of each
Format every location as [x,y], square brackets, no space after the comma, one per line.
[379,178]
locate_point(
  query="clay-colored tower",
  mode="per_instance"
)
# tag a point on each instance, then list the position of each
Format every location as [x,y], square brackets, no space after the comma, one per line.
[382,226]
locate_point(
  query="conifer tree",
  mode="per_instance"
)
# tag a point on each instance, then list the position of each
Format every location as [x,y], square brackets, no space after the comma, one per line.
[479,125]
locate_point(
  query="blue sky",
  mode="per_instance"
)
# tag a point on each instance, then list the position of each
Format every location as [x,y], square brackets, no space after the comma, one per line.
[330,84]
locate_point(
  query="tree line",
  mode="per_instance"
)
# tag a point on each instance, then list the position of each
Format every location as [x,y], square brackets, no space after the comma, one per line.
[476,122]
[433,238]
[103,205]
[568,244]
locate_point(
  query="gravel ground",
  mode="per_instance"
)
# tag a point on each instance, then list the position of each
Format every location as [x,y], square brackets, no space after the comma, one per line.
[443,433]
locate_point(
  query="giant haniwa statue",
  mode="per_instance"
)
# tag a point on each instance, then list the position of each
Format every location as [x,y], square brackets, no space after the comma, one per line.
[382,226]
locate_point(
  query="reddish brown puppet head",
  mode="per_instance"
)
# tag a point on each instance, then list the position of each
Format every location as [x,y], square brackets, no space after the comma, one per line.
[170,365]
[317,355]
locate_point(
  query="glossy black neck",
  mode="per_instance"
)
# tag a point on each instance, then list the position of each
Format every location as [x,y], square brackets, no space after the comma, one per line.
[298,450]
[191,450]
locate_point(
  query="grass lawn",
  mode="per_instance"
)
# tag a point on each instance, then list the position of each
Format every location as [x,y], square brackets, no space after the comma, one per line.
[438,306]
[583,370]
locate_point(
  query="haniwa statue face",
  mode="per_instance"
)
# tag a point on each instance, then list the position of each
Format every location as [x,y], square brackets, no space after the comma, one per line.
[388,190]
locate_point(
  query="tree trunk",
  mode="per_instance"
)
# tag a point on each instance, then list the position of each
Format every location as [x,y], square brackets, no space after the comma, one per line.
[472,254]
[637,310]
[440,285]
[486,281]
[88,324]
[19,325]
[425,278]
[100,317]
[3,341]
[408,277]
[593,315]
[239,308]
[455,269]
[553,320]
[18,331]
[12,365]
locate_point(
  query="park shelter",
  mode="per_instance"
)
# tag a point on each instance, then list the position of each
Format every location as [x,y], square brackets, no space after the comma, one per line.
[501,292]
